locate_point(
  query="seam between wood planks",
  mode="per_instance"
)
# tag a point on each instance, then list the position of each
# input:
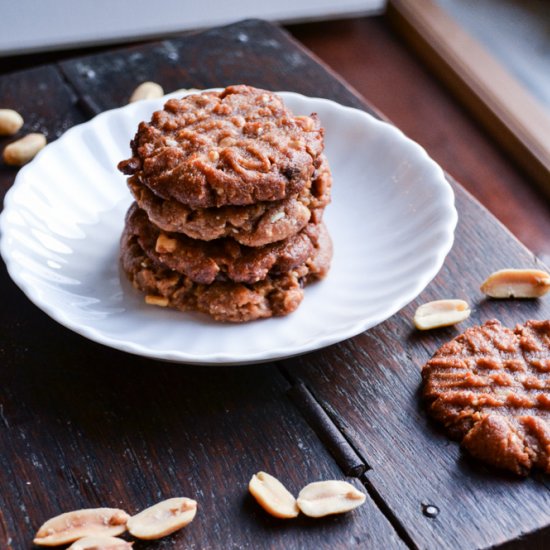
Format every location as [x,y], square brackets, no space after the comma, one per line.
[330,434]
[84,102]
[335,436]
[385,509]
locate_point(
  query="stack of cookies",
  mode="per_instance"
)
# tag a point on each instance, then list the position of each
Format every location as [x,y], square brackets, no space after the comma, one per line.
[229,190]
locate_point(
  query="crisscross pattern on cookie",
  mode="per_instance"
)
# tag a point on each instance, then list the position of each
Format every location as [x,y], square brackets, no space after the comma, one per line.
[490,387]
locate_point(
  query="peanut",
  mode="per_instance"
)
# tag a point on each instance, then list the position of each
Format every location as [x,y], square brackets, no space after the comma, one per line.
[23,150]
[153,300]
[273,496]
[75,525]
[163,518]
[165,244]
[10,122]
[146,90]
[305,122]
[323,498]
[226,142]
[517,283]
[441,313]
[276,217]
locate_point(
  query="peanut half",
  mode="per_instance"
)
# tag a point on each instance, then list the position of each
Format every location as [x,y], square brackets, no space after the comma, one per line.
[10,122]
[147,90]
[273,496]
[441,313]
[75,525]
[23,150]
[101,543]
[163,518]
[323,498]
[517,283]
[165,244]
[159,301]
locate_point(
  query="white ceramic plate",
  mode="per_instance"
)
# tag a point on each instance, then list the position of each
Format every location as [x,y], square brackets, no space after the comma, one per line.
[392,219]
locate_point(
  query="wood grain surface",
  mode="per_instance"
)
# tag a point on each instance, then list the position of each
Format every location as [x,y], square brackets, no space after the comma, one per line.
[84,425]
[46,103]
[412,464]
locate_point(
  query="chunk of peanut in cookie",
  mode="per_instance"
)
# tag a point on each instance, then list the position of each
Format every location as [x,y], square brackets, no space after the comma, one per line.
[441,313]
[306,122]
[159,301]
[517,283]
[227,142]
[273,496]
[165,244]
[324,498]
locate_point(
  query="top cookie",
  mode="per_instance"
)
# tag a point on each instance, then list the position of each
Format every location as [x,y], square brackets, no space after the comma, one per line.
[235,147]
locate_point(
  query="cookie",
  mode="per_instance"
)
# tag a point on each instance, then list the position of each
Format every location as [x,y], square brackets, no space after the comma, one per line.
[234,147]
[276,295]
[490,388]
[252,225]
[222,259]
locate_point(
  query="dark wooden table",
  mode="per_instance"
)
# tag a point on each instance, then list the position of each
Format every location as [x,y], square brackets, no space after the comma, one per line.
[84,425]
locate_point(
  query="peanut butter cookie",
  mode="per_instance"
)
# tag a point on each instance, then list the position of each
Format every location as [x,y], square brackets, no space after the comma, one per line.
[222,259]
[234,147]
[252,225]
[276,295]
[490,388]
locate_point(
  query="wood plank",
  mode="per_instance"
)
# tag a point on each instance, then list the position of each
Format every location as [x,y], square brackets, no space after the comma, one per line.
[236,54]
[85,425]
[46,103]
[371,385]
[508,110]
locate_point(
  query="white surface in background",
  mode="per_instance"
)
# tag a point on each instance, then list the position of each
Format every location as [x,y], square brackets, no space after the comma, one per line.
[32,25]
[516,32]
